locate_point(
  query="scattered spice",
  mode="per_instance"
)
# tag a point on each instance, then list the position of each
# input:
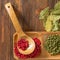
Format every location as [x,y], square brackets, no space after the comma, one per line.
[35,53]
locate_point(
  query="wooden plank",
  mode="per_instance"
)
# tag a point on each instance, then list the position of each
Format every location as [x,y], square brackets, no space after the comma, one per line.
[5,36]
[29,13]
[0,34]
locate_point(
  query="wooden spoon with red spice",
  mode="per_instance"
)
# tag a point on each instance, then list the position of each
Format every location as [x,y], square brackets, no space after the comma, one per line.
[19,32]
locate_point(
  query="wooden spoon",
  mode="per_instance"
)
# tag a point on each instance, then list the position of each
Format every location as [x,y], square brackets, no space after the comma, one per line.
[19,32]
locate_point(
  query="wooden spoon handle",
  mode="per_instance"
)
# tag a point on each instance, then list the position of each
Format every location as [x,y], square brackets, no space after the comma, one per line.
[13,17]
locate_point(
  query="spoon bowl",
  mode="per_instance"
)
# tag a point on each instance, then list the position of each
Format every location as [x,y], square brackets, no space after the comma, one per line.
[30,49]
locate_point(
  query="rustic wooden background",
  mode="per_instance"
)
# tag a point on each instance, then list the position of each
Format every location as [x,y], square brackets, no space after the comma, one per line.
[27,12]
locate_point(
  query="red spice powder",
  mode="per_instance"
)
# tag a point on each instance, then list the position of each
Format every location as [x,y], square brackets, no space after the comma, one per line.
[23,44]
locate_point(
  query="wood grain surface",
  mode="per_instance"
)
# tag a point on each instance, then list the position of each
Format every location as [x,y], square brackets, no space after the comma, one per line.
[27,12]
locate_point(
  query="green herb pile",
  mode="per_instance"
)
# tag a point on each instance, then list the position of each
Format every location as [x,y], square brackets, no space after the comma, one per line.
[51,18]
[52,44]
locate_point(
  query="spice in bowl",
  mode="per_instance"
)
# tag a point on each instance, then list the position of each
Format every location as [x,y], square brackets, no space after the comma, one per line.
[23,44]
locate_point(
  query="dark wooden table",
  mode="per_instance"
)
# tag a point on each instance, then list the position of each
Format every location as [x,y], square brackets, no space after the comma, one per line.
[27,12]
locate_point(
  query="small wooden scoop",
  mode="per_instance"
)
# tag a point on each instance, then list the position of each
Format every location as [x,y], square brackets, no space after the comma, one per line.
[19,32]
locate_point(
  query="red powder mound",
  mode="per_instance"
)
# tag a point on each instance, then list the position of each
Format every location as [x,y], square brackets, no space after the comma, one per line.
[35,53]
[23,44]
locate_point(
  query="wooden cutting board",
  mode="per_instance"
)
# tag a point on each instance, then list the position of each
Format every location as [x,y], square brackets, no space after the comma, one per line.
[42,36]
[27,12]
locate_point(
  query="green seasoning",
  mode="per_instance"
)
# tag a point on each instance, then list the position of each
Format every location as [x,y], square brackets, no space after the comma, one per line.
[51,18]
[52,44]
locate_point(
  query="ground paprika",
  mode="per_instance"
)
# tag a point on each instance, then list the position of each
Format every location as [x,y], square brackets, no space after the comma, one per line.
[23,44]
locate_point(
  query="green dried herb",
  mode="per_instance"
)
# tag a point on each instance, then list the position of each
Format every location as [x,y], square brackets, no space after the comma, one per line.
[51,14]
[57,6]
[44,13]
[55,12]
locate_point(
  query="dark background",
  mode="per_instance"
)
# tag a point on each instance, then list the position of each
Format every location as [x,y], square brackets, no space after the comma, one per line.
[27,12]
